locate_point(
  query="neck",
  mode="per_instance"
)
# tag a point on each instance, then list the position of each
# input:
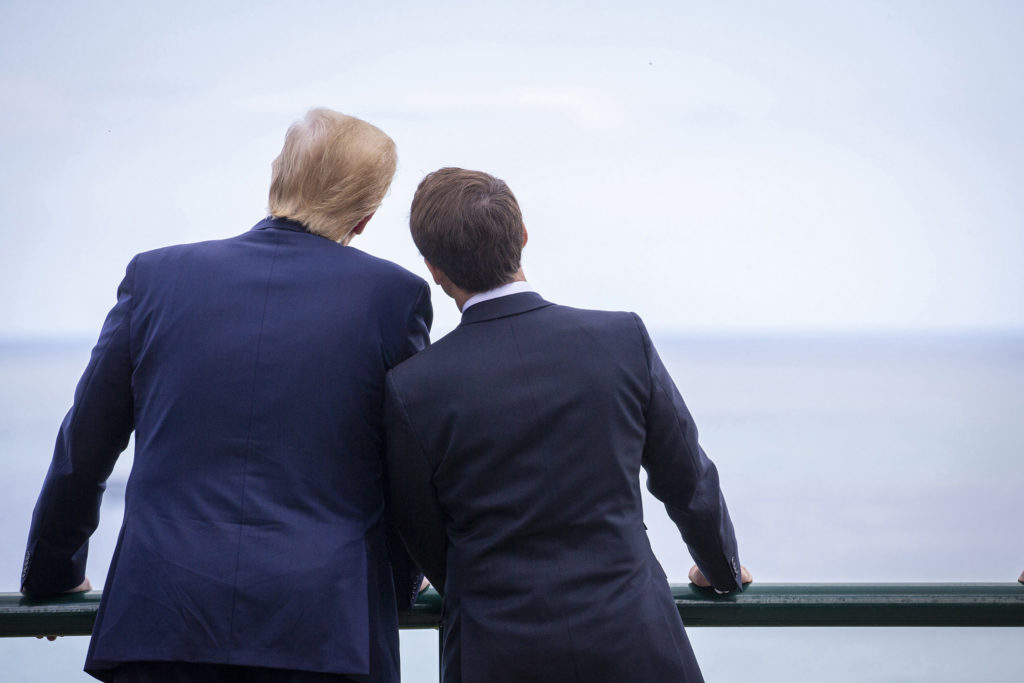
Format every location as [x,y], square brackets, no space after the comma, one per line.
[461,296]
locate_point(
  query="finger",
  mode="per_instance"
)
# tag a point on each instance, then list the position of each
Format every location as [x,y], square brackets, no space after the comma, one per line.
[697,577]
[745,576]
[82,587]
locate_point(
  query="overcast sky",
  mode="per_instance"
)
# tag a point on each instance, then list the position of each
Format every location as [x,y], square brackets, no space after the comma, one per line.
[716,167]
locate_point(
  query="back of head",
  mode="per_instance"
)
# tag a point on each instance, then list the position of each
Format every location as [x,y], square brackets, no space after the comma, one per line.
[468,224]
[333,171]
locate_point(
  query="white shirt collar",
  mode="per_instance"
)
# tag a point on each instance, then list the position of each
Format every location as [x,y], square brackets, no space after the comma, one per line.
[504,290]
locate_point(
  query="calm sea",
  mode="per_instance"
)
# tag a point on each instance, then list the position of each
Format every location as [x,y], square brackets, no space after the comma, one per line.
[842,458]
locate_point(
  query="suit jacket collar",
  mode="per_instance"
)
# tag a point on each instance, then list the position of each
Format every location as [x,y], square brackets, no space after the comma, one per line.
[280,223]
[503,306]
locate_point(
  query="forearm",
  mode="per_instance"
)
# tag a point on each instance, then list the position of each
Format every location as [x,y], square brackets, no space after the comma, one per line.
[413,500]
[682,476]
[95,431]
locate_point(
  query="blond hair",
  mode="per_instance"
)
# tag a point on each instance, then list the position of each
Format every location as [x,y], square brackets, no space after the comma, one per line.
[333,171]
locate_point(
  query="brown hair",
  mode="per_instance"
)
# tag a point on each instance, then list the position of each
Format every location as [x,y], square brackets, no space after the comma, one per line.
[333,171]
[468,224]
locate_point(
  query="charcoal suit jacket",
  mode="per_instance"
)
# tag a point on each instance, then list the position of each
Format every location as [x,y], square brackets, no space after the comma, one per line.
[515,445]
[252,372]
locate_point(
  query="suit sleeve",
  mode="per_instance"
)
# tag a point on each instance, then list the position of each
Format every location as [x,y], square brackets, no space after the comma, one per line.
[414,504]
[416,334]
[681,475]
[404,571]
[94,433]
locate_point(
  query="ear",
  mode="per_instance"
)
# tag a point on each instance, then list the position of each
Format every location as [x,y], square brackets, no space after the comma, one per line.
[526,235]
[435,273]
[361,225]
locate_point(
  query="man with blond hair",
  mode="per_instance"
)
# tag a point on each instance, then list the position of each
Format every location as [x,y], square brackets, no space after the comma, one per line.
[515,445]
[251,370]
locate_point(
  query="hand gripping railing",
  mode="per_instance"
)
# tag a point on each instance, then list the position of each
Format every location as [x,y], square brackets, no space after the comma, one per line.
[767,604]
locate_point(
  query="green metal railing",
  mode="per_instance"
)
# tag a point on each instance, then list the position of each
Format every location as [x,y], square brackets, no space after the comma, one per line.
[767,604]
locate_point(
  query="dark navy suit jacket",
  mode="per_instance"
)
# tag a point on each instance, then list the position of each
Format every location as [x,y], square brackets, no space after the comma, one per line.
[515,445]
[252,372]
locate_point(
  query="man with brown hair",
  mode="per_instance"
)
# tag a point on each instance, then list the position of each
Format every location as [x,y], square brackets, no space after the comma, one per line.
[514,450]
